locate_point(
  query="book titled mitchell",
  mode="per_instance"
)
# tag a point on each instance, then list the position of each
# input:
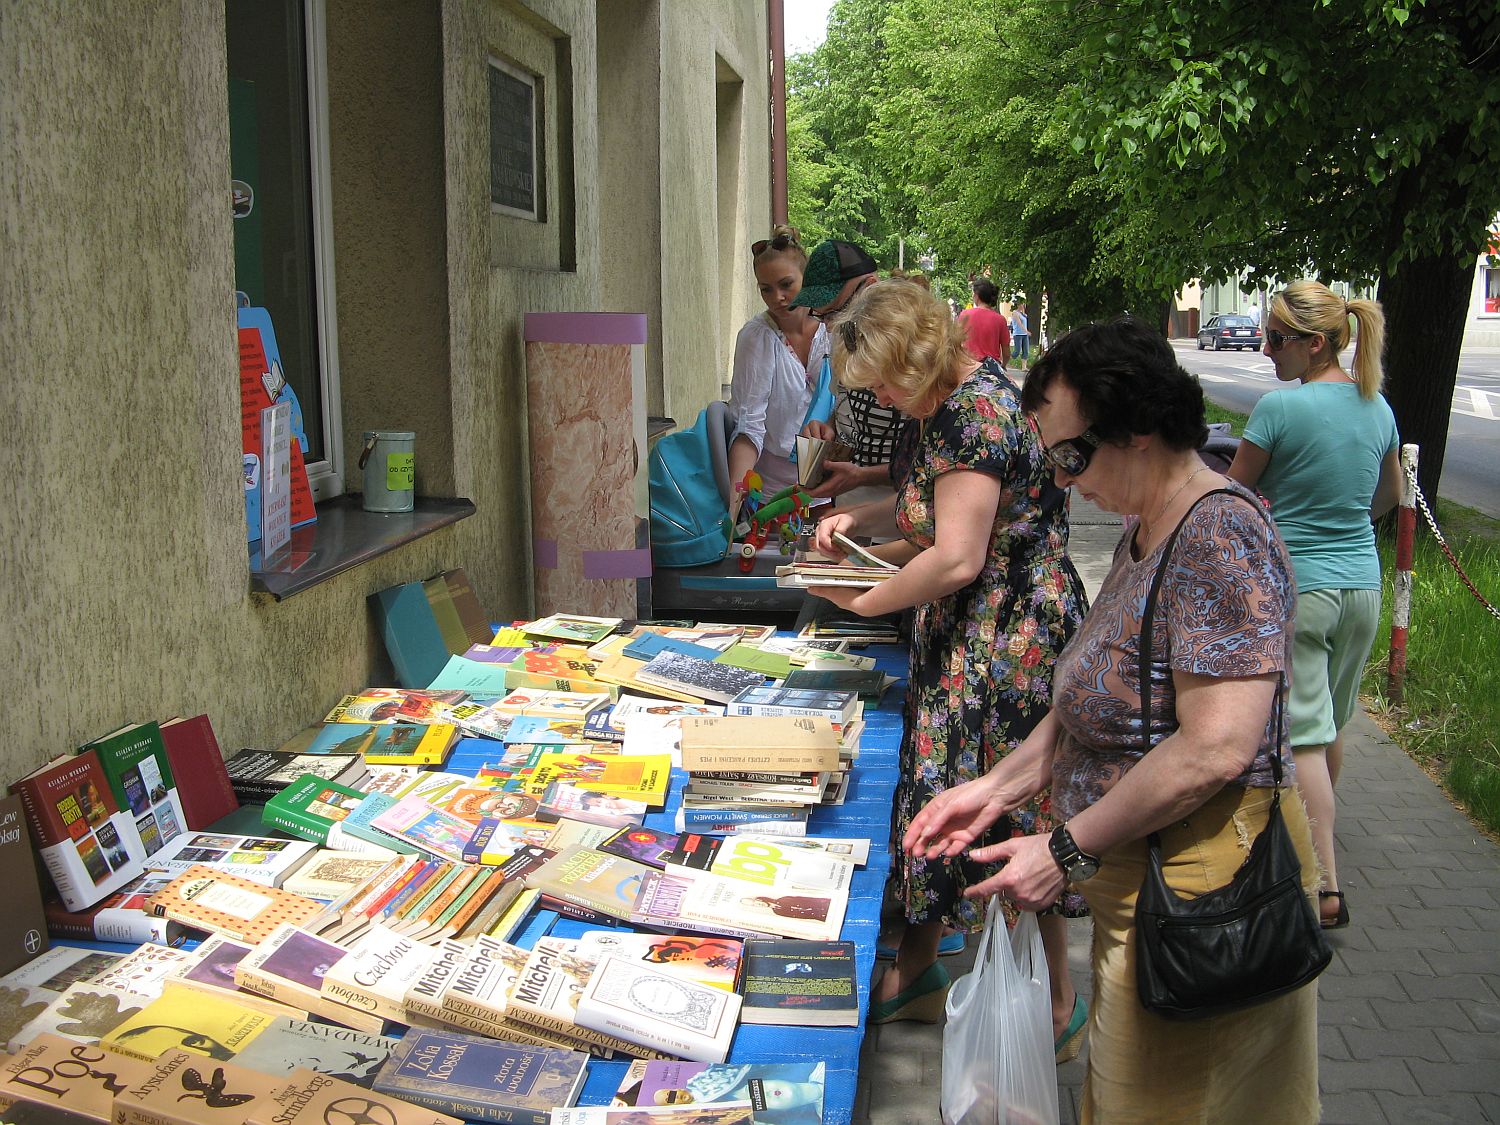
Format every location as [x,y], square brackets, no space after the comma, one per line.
[702,679]
[482,1079]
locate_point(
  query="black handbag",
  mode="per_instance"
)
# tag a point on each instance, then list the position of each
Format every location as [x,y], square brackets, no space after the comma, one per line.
[1257,937]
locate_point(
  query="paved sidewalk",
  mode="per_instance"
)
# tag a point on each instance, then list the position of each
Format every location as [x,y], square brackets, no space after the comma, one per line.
[1409,1012]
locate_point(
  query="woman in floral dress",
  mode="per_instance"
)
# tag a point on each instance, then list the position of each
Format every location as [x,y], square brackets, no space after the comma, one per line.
[983,544]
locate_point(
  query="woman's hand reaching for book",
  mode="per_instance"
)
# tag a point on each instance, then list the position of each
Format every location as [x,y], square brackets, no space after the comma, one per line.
[824,542]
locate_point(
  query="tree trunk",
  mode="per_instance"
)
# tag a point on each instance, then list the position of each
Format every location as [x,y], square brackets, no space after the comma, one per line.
[1426,304]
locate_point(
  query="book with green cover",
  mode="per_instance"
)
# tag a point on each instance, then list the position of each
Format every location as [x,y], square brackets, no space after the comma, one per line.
[867,683]
[134,760]
[357,825]
[310,806]
[777,665]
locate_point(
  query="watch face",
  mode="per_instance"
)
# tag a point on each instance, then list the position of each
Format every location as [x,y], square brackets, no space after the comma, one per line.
[1083,868]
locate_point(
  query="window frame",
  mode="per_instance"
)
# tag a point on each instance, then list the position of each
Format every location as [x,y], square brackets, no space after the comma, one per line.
[326,477]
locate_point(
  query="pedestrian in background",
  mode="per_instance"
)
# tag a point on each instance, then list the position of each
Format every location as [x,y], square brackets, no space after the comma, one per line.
[1325,454]
[1020,332]
[986,331]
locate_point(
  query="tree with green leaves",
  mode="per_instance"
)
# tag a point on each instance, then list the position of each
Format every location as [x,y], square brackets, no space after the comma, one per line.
[1348,139]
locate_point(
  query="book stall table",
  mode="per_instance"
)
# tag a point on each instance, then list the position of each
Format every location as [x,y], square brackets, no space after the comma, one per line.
[866,812]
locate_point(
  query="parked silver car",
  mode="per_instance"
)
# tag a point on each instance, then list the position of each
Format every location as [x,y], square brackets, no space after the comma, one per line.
[1229,330]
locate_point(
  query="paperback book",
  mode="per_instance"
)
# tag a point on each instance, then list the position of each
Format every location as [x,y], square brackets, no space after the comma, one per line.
[339,1052]
[27,991]
[569,800]
[321,1099]
[260,859]
[801,983]
[196,1022]
[778,1093]
[259,775]
[330,875]
[701,679]
[394,705]
[377,972]
[735,743]
[85,1012]
[52,1071]
[715,904]
[712,961]
[546,995]
[640,777]
[659,1010]
[222,903]
[418,823]
[183,1089]
[572,627]
[837,706]
[764,862]
[593,879]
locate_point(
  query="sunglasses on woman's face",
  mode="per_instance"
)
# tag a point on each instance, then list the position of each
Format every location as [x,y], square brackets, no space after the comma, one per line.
[1072,455]
[1278,339]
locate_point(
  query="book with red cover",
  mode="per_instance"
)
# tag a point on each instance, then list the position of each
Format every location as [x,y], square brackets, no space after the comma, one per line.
[203,783]
[89,846]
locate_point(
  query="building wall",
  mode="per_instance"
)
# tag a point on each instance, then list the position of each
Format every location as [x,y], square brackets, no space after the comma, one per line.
[125,592]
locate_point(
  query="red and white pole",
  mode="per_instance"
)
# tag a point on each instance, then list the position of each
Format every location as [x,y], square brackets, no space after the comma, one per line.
[1406,534]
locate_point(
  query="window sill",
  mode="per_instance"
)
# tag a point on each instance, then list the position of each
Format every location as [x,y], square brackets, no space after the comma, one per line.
[344,536]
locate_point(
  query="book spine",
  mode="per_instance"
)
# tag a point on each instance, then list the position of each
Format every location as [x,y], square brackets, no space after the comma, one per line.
[777,711]
[666,1042]
[465,1110]
[595,1042]
[303,825]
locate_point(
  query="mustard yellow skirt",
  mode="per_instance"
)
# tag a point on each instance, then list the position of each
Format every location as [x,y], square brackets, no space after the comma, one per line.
[1255,1065]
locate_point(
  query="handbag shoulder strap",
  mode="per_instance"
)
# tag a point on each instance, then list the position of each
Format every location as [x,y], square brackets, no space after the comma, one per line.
[1148,616]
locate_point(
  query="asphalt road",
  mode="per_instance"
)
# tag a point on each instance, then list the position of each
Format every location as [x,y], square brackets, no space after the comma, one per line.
[1471,466]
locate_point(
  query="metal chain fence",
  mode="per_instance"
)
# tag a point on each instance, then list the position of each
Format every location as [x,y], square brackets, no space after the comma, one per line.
[1443,543]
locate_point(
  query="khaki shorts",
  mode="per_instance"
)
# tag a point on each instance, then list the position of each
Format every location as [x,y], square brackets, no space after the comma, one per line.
[1334,632]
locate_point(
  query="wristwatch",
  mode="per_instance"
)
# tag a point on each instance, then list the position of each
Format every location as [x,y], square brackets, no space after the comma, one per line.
[1076,864]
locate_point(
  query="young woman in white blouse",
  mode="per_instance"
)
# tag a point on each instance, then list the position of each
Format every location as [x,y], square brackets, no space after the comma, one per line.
[778,357]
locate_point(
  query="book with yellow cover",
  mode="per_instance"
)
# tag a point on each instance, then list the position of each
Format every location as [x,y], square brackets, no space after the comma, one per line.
[229,904]
[432,749]
[188,1021]
[643,777]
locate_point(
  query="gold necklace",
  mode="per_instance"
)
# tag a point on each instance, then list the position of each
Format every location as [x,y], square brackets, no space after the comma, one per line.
[1178,492]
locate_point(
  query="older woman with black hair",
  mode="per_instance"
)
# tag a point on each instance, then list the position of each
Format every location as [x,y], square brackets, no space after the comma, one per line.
[1122,423]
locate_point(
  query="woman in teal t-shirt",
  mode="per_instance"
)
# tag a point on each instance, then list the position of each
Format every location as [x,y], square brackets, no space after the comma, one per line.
[1325,454]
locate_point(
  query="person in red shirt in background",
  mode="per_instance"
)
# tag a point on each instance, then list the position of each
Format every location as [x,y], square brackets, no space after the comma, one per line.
[987,333]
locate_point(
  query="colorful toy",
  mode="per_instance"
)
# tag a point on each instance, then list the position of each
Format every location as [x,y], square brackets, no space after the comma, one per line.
[785,514]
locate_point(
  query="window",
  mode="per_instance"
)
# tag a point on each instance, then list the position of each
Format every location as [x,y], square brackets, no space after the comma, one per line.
[515,186]
[1491,290]
[283,243]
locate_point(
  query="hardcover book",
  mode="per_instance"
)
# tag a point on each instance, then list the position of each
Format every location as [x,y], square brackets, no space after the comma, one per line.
[203,784]
[733,743]
[838,706]
[320,1099]
[377,972]
[185,1089]
[260,859]
[26,992]
[121,917]
[711,961]
[134,759]
[659,1010]
[340,1052]
[482,1079]
[89,847]
[259,775]
[227,904]
[701,679]
[413,638]
[800,982]
[23,925]
[52,1071]
[309,807]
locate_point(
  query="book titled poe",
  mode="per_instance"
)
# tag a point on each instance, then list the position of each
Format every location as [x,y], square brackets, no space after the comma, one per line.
[482,1079]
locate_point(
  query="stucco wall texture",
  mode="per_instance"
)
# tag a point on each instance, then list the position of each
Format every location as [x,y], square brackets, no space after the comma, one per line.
[124,592]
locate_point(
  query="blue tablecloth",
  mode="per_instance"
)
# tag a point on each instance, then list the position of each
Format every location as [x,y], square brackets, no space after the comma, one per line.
[866,812]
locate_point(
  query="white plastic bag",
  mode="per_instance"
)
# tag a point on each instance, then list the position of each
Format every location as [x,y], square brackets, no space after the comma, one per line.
[998,1064]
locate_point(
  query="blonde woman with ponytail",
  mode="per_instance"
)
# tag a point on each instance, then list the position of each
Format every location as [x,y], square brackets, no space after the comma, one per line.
[1325,454]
